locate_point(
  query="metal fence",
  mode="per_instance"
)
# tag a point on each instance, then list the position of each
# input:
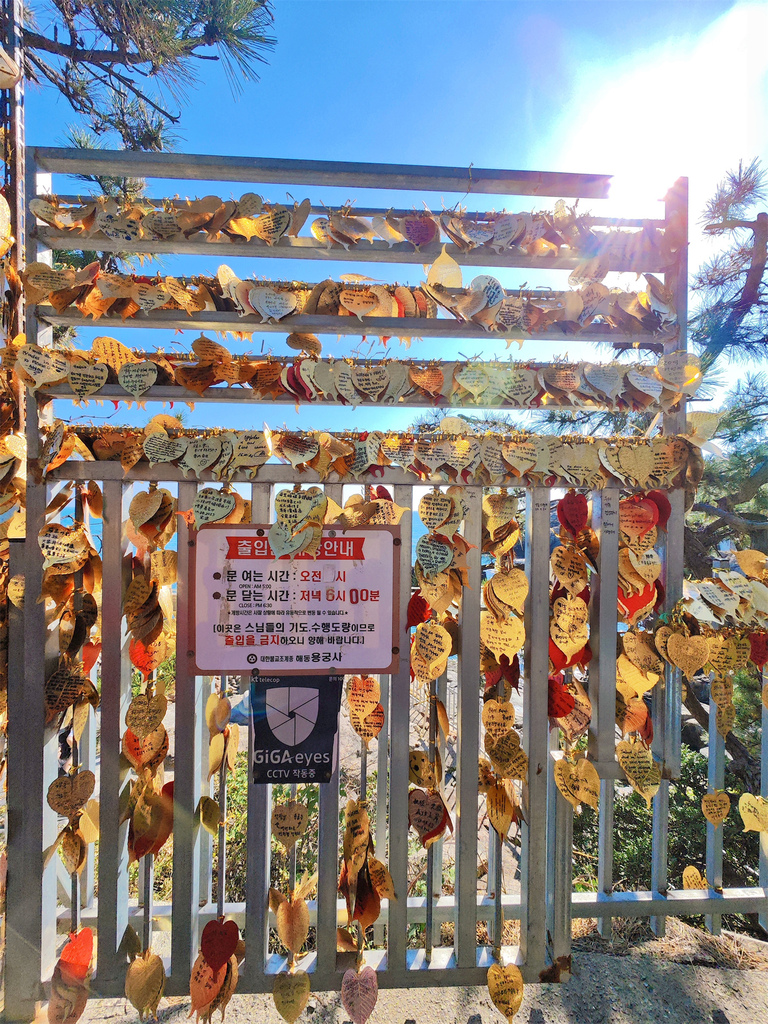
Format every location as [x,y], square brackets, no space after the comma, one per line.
[37,911]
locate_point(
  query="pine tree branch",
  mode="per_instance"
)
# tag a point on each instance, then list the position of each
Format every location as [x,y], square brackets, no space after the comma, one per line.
[751,291]
[729,225]
[111,73]
[82,56]
[727,516]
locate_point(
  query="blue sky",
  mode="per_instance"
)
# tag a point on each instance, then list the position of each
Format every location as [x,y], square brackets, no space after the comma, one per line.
[647,92]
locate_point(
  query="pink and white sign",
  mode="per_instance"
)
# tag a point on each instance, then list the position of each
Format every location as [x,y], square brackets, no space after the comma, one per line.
[336,612]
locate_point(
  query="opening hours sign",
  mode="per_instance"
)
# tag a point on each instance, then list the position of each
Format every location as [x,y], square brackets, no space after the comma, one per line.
[332,612]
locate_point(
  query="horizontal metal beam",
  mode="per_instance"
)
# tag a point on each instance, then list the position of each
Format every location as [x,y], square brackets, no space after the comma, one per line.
[166,472]
[304,248]
[247,396]
[417,972]
[676,903]
[372,211]
[382,326]
[264,170]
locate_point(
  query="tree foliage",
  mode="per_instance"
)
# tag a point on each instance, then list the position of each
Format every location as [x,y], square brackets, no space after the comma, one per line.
[732,313]
[124,64]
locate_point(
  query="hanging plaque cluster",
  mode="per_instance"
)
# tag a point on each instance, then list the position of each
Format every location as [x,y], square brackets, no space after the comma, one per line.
[562,231]
[492,458]
[635,386]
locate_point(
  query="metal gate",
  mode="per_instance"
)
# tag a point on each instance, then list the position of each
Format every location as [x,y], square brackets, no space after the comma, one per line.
[38,914]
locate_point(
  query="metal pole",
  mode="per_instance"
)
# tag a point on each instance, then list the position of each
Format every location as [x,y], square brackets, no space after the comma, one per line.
[74,899]
[291,855]
[149,874]
[221,858]
[431,849]
[498,843]
[715,780]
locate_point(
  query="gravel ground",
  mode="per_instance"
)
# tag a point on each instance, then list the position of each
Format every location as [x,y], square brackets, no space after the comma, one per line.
[633,989]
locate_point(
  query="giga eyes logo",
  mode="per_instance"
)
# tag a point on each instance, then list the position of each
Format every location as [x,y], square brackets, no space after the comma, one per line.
[292,712]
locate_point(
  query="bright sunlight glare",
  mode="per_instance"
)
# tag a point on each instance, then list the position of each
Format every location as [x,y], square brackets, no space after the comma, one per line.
[692,108]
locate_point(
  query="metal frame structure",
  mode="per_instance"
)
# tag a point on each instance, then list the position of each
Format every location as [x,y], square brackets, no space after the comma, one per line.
[545,903]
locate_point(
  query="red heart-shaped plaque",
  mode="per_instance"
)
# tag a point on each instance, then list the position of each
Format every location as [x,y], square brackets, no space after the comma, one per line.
[556,656]
[419,610]
[90,654]
[637,516]
[758,645]
[661,501]
[561,702]
[573,512]
[76,956]
[510,670]
[218,942]
[631,604]
[493,676]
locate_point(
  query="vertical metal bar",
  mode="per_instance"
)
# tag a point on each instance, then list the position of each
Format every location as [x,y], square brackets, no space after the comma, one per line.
[676,278]
[115,697]
[605,852]
[221,857]
[715,780]
[74,898]
[37,333]
[603,626]
[149,878]
[490,872]
[399,726]
[362,799]
[549,887]
[363,771]
[382,768]
[30,925]
[259,800]
[328,866]
[535,729]
[602,672]
[498,889]
[763,864]
[88,761]
[667,702]
[205,839]
[86,748]
[77,600]
[659,850]
[667,699]
[436,878]
[15,147]
[428,931]
[292,853]
[562,881]
[32,766]
[328,844]
[496,846]
[188,752]
[468,739]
